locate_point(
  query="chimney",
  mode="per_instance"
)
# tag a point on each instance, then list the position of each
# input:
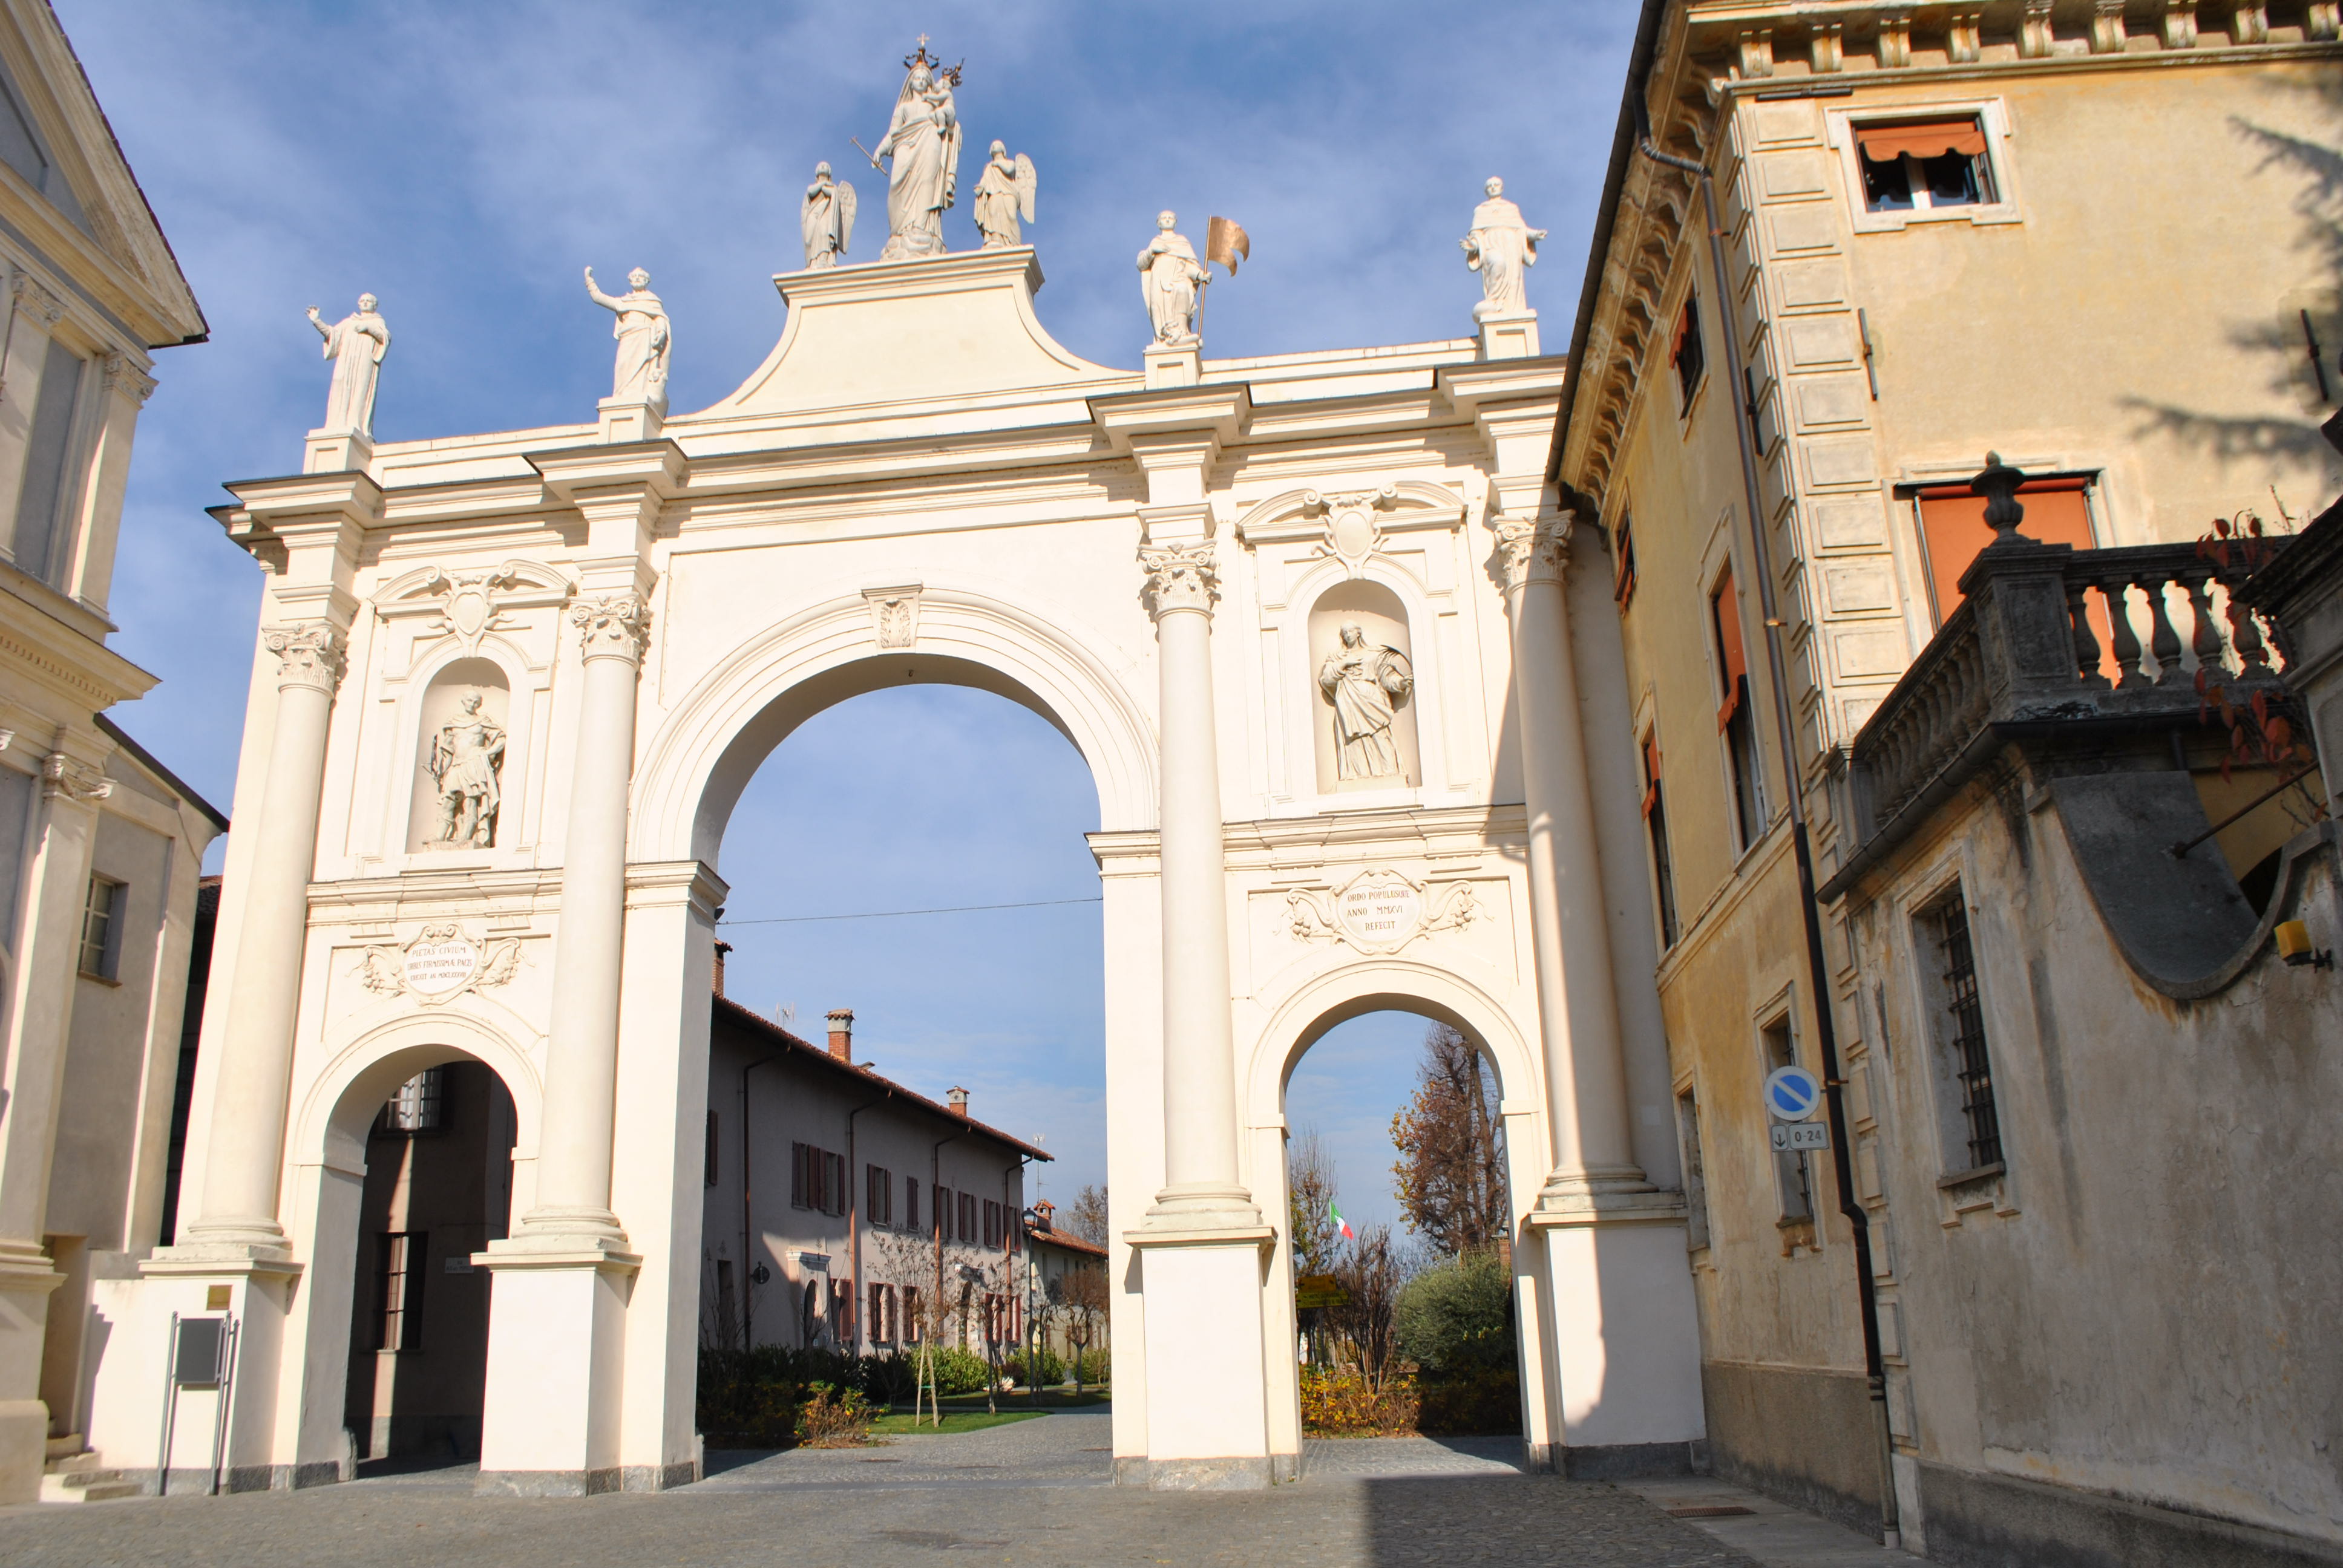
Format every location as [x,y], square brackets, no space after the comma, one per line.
[721,949]
[841,1033]
[1048,1211]
[958,1099]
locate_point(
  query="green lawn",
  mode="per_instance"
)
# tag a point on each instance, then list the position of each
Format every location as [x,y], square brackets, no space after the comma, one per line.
[900,1424]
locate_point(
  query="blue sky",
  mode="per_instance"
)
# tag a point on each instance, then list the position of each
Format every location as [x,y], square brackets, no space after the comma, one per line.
[465,161]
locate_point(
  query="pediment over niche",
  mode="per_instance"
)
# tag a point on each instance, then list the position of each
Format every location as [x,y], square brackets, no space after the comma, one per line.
[1349,522]
[923,331]
[472,601]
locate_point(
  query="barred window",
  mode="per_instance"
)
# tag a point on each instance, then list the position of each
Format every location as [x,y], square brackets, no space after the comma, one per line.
[879,1187]
[1967,1062]
[1794,1171]
[1696,1177]
[415,1105]
[398,1276]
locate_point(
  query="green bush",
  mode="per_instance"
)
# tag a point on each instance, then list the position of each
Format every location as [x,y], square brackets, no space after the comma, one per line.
[1047,1368]
[1458,1316]
[1095,1367]
[956,1369]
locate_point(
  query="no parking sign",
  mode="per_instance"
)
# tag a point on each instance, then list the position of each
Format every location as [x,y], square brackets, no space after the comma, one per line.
[1793,1093]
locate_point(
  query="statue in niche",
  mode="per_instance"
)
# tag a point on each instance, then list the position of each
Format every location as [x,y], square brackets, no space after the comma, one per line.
[1366,686]
[467,757]
[826,218]
[923,140]
[1171,277]
[1500,247]
[640,375]
[1004,193]
[355,343]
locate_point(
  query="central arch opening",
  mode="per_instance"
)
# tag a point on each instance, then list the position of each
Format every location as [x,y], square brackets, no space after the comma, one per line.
[1400,1219]
[906,1084]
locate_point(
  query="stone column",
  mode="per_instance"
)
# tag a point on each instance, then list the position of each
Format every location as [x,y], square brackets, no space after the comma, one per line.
[1201,1244]
[573,1161]
[34,1077]
[246,1143]
[558,1307]
[1624,1393]
[1200,1097]
[1586,1085]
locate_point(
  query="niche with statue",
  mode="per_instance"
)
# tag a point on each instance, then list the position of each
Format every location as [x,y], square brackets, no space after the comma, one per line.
[1363,712]
[460,764]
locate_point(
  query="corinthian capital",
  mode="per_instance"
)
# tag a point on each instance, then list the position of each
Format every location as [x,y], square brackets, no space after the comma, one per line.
[309,654]
[615,627]
[1534,549]
[1181,576]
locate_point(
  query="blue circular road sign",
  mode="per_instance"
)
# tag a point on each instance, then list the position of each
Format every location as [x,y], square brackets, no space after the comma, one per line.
[1793,1093]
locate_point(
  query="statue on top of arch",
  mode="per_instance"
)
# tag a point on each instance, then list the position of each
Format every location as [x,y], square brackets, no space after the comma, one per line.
[923,139]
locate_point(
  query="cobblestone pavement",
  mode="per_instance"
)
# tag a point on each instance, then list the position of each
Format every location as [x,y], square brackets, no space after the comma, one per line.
[1035,1493]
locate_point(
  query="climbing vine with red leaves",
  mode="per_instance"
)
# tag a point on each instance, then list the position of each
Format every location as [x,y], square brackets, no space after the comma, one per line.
[2260,733]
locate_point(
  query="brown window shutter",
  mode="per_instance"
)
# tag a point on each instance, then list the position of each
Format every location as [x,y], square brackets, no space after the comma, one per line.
[1921,139]
[1724,613]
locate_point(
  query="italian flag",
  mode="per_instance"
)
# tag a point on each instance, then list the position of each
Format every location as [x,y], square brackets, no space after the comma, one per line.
[1342,1226]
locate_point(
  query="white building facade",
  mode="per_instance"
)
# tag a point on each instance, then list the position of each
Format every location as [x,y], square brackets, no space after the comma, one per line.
[1203,573]
[100,847]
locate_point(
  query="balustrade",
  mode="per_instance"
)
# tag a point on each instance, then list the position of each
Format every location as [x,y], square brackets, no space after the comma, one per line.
[1993,663]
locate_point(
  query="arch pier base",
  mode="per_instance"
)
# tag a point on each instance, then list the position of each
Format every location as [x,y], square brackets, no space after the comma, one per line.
[556,1344]
[1207,1411]
[1628,1396]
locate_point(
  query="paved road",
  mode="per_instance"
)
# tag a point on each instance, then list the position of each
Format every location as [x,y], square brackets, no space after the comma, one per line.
[1037,1492]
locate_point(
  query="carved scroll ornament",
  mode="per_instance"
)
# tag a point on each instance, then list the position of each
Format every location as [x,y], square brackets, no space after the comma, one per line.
[1380,911]
[438,966]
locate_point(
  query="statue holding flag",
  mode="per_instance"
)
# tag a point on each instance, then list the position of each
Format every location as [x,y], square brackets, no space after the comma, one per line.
[1171,277]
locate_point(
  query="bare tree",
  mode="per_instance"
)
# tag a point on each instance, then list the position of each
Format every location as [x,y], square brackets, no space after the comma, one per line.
[1082,1304]
[1451,1172]
[1086,1218]
[1371,1272]
[1309,1204]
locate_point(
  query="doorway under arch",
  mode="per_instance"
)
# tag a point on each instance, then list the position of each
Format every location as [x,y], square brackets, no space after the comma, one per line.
[438,1188]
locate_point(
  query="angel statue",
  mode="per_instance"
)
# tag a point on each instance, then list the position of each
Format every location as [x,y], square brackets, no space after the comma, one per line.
[1501,246]
[826,218]
[924,141]
[1365,684]
[1004,193]
[645,340]
[355,343]
[1171,274]
[466,756]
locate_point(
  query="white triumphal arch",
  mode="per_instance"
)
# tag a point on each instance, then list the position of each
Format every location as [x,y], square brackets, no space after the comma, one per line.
[1354,714]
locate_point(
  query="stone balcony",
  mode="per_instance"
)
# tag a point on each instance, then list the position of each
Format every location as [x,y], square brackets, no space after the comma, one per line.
[2089,659]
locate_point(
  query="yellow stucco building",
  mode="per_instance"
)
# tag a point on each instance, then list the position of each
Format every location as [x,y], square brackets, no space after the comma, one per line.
[2098,238]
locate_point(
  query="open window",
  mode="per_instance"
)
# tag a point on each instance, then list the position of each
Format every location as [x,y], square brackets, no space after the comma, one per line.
[1688,354]
[1925,165]
[1736,723]
[1656,824]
